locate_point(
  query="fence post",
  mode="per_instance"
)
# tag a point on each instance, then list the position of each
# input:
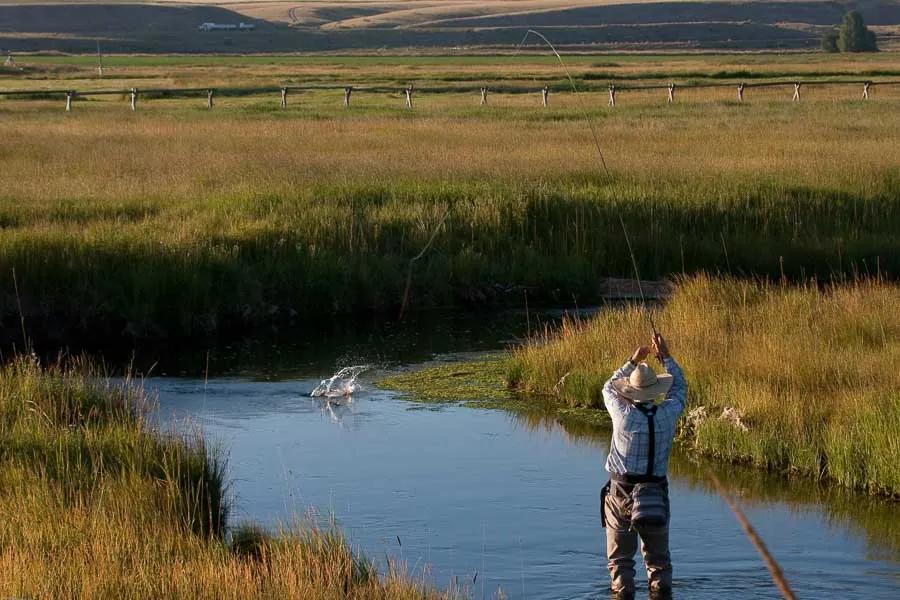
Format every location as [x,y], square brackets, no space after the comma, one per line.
[69,96]
[545,96]
[209,99]
[612,95]
[348,91]
[134,95]
[409,92]
[483,96]
[741,92]
[866,90]
[796,97]
[284,91]
[671,98]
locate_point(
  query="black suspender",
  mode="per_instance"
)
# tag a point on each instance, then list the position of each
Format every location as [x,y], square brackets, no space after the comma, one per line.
[651,451]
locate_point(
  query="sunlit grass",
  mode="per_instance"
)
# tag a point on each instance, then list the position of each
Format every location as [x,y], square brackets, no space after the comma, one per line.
[96,503]
[182,219]
[811,372]
[179,220]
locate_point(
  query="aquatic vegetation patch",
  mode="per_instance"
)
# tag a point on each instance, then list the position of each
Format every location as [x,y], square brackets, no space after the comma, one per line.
[475,383]
[484,383]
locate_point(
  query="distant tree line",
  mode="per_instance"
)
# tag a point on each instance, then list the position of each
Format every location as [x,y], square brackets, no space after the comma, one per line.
[851,36]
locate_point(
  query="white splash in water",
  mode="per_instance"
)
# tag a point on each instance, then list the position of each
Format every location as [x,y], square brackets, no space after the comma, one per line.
[342,384]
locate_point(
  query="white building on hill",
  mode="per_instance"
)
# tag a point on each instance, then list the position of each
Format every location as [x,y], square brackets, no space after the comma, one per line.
[226,27]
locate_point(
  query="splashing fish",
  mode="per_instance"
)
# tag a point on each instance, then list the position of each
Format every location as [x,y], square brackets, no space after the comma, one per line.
[342,384]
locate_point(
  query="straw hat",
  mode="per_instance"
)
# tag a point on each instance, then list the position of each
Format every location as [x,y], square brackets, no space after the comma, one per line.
[644,385]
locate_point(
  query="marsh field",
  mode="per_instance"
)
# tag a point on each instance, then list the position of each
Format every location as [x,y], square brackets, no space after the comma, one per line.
[180,232]
[178,220]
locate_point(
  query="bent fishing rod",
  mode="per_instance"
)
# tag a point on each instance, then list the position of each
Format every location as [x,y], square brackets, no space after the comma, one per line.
[599,150]
[581,106]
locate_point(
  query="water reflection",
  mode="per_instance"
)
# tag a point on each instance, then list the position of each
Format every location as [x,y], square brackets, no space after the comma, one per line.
[877,518]
[319,349]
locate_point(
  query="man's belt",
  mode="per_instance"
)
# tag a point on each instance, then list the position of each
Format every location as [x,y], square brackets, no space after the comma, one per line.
[633,479]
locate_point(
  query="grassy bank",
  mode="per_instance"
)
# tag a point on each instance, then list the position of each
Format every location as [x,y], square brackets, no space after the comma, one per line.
[808,375]
[811,374]
[176,220]
[96,503]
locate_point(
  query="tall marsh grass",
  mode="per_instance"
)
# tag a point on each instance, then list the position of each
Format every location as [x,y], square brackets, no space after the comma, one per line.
[181,221]
[812,372]
[96,503]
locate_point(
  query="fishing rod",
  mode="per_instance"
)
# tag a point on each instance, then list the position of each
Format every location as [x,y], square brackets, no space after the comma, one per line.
[596,138]
[581,105]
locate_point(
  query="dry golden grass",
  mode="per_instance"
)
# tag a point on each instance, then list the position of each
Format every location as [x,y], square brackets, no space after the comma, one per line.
[102,151]
[811,372]
[515,68]
[96,504]
[175,217]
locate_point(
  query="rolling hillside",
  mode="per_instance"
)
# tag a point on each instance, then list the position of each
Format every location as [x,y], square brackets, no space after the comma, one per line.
[289,26]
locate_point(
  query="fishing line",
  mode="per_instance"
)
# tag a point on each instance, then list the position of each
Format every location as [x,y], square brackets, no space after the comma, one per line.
[637,278]
[581,105]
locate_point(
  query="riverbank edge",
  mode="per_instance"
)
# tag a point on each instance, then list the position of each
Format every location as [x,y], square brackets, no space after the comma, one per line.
[484,383]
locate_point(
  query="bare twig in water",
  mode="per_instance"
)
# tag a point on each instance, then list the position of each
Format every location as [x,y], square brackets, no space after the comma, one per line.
[777,574]
[584,111]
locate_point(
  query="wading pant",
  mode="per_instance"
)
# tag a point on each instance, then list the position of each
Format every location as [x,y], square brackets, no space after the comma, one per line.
[622,541]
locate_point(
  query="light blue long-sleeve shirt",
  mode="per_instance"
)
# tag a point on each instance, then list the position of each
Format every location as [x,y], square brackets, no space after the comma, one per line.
[628,450]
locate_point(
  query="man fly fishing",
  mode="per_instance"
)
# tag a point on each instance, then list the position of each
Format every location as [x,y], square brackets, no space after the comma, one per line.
[644,407]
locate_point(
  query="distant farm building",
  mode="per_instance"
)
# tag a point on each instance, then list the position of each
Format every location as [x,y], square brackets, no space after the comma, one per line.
[226,27]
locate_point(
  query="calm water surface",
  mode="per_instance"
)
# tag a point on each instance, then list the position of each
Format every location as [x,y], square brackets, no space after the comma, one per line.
[454,491]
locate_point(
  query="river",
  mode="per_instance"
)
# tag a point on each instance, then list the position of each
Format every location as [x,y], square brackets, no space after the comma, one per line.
[487,500]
